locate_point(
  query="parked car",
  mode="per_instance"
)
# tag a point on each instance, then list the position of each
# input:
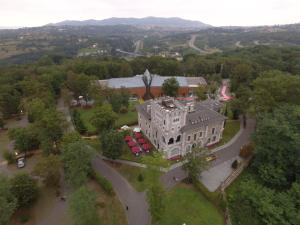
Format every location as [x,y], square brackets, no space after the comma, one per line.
[21,162]
[211,157]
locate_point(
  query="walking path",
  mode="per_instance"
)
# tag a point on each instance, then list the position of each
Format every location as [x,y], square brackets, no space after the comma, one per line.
[137,213]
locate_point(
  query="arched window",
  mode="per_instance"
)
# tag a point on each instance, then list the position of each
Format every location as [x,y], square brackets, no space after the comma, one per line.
[171,141]
[194,145]
[178,138]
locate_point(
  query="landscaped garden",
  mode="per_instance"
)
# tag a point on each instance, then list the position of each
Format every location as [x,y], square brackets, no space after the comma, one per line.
[128,118]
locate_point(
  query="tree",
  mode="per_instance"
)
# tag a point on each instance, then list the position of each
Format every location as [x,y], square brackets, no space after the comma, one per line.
[77,121]
[83,207]
[48,169]
[35,109]
[196,163]
[77,162]
[8,203]
[24,188]
[273,88]
[104,118]
[79,84]
[25,138]
[112,144]
[170,87]
[68,138]
[156,200]
[277,146]
[201,92]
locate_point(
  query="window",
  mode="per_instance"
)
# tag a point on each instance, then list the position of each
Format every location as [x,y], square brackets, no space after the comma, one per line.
[178,138]
[189,138]
[213,130]
[200,134]
[195,137]
[214,138]
[171,141]
[164,122]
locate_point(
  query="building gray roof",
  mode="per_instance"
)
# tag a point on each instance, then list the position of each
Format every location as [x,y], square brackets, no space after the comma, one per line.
[195,81]
[210,104]
[202,116]
[136,81]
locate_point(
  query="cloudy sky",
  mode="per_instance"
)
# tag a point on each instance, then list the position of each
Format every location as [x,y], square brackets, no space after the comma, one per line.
[214,12]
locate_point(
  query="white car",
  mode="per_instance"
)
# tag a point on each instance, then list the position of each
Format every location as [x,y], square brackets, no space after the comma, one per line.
[21,162]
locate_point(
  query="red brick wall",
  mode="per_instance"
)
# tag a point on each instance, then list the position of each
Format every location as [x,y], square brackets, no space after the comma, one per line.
[156,91]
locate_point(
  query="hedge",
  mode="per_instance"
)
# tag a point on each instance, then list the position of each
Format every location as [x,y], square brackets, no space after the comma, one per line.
[104,183]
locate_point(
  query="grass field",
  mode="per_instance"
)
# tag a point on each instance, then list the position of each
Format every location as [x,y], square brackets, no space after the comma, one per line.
[184,204]
[129,118]
[132,173]
[230,130]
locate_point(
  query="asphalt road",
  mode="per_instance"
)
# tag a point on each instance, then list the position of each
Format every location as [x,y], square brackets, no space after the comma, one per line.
[137,213]
[226,153]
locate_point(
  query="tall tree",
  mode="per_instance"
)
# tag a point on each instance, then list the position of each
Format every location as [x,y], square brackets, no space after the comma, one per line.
[48,169]
[196,163]
[83,207]
[8,203]
[112,144]
[77,162]
[170,87]
[104,118]
[24,188]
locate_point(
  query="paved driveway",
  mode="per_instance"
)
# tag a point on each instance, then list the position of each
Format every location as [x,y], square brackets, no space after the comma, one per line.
[137,213]
[224,156]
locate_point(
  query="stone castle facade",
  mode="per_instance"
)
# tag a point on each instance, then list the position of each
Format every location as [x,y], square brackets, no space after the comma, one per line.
[175,127]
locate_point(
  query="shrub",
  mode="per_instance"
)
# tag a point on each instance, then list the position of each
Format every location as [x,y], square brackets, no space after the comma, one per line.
[104,183]
[141,177]
[235,164]
[123,110]
[24,218]
[246,151]
[9,157]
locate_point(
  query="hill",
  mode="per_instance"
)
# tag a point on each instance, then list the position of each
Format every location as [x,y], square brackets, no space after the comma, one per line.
[147,22]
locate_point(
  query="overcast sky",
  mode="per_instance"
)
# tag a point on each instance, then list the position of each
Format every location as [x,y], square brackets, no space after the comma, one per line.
[214,12]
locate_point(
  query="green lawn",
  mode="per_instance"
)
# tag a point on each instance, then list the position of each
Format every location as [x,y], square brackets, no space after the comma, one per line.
[184,204]
[132,173]
[232,127]
[129,118]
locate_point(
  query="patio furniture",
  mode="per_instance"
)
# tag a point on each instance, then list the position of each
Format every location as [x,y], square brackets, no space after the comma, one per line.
[136,150]
[146,147]
[137,135]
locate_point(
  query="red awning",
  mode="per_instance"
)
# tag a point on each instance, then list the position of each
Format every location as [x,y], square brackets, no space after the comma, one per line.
[128,138]
[131,143]
[142,141]
[135,150]
[137,135]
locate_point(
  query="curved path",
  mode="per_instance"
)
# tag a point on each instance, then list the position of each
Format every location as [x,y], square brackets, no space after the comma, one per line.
[137,213]
[224,153]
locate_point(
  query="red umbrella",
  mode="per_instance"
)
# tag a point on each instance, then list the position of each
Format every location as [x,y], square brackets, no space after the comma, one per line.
[137,135]
[146,147]
[131,144]
[135,149]
[128,138]
[142,141]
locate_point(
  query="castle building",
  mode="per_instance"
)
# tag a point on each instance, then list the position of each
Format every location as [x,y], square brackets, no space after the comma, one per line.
[136,86]
[175,127]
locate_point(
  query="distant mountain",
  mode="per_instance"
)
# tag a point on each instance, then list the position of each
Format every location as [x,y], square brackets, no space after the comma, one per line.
[147,22]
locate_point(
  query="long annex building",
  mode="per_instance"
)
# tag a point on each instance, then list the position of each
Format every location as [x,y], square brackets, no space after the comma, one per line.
[136,86]
[175,127]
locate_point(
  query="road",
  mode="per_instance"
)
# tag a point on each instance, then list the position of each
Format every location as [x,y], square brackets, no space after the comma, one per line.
[191,44]
[225,153]
[137,213]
